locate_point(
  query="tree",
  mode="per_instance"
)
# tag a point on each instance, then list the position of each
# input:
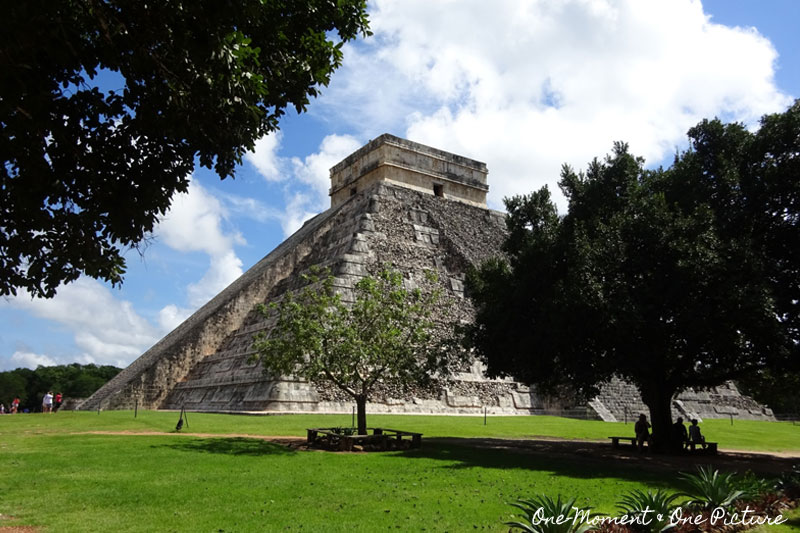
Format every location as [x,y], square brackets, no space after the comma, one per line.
[88,170]
[386,335]
[74,380]
[670,279]
[12,386]
[776,388]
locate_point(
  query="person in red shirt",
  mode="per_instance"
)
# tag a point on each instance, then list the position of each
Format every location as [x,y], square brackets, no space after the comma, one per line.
[15,405]
[58,402]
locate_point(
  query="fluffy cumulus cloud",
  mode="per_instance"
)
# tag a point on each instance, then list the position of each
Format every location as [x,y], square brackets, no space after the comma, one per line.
[30,360]
[106,330]
[265,158]
[527,86]
[195,223]
[307,180]
[170,317]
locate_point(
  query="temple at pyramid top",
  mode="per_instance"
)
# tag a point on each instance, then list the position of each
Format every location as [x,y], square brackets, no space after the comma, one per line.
[410,165]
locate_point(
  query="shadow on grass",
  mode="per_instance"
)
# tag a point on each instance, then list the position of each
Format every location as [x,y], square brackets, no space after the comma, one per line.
[581,459]
[230,446]
[793,523]
[459,454]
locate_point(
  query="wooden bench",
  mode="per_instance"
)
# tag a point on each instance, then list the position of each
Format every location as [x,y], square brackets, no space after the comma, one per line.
[381,438]
[615,441]
[710,447]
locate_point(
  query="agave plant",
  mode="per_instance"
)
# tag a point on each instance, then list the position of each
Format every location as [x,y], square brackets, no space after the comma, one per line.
[540,515]
[710,489]
[636,503]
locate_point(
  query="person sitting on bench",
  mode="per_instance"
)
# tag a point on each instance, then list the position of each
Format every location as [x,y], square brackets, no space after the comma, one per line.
[695,437]
[680,438]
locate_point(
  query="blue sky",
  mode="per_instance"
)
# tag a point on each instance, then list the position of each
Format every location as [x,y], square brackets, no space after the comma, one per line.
[522,86]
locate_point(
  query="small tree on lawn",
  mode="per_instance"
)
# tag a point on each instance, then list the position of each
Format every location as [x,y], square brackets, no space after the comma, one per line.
[387,334]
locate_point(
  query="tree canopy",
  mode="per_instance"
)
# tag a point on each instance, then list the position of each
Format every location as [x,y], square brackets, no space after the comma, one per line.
[73,380]
[669,278]
[88,169]
[386,335]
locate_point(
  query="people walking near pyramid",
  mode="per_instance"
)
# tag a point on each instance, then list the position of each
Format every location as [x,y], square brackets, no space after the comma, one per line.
[47,403]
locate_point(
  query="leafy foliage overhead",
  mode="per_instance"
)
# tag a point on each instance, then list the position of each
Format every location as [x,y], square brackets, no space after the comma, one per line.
[88,170]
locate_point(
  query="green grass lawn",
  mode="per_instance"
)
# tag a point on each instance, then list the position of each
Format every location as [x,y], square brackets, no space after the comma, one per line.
[742,435]
[54,475]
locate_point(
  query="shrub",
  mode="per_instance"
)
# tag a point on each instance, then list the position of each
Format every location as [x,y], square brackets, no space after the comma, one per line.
[636,502]
[753,487]
[789,482]
[710,489]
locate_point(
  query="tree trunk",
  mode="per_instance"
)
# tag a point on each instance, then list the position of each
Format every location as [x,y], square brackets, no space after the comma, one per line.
[361,414]
[659,401]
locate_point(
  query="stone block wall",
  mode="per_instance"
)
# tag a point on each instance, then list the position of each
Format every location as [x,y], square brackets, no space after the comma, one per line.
[619,401]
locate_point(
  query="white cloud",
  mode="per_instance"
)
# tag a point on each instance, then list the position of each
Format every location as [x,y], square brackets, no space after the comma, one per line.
[195,223]
[298,210]
[249,207]
[306,193]
[527,86]
[30,360]
[171,316]
[106,330]
[265,158]
[224,269]
[314,170]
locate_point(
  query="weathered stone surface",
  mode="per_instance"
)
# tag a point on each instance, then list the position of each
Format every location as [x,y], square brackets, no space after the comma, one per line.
[394,215]
[619,400]
[393,160]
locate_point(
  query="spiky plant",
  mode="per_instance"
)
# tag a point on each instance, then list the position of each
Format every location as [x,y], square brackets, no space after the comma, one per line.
[710,489]
[637,503]
[540,515]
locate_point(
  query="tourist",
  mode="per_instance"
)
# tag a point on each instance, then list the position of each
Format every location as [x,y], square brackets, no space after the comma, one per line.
[642,429]
[59,397]
[695,437]
[680,437]
[47,402]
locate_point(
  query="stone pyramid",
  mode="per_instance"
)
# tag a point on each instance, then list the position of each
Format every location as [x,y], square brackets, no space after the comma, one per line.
[392,201]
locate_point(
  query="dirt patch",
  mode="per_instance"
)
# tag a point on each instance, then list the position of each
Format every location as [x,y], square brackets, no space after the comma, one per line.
[15,529]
